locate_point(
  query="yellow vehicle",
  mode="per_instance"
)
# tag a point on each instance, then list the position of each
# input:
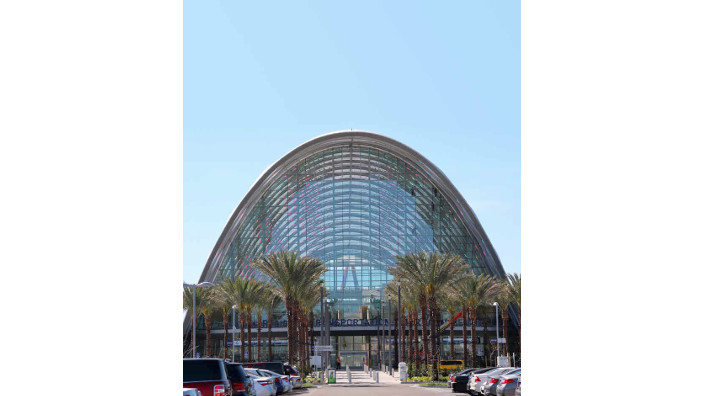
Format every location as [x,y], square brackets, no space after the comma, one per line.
[451,364]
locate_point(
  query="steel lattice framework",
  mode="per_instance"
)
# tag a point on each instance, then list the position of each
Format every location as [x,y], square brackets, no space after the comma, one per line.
[353,199]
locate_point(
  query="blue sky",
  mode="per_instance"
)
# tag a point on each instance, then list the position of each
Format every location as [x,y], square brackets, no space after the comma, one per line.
[260,78]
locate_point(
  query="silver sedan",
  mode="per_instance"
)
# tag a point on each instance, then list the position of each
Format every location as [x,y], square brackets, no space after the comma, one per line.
[508,385]
[477,379]
[489,387]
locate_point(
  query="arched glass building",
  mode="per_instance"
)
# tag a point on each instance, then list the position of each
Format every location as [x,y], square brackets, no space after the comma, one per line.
[355,200]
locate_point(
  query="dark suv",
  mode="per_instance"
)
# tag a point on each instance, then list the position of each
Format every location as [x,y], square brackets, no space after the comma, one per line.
[208,376]
[241,382]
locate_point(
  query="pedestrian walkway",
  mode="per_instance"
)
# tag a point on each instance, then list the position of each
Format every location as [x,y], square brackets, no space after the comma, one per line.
[363,384]
[362,377]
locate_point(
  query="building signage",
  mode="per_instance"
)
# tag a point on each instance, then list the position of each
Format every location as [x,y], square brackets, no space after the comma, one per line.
[341,323]
[323,348]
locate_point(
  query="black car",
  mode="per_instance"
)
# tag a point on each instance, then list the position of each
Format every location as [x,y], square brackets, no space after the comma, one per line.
[456,380]
[459,381]
[240,381]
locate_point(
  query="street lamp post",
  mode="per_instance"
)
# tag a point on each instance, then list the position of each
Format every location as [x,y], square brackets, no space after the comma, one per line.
[496,326]
[193,314]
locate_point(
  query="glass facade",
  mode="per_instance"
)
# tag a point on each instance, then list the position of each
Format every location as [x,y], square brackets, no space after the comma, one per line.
[355,207]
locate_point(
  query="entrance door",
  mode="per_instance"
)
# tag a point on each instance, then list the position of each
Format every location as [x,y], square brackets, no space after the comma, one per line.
[354,359]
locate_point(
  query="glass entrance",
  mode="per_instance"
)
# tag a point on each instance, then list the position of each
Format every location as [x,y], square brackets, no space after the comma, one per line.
[354,359]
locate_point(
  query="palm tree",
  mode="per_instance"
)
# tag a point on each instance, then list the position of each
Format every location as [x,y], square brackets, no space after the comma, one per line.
[450,302]
[485,312]
[308,299]
[408,303]
[224,293]
[433,271]
[409,271]
[259,291]
[464,307]
[204,302]
[475,291]
[411,304]
[208,311]
[504,299]
[242,292]
[289,273]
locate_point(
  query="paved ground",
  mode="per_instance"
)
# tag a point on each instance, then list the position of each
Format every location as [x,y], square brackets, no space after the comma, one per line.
[364,385]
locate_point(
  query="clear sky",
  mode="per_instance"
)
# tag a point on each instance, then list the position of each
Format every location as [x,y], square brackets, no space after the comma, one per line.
[260,78]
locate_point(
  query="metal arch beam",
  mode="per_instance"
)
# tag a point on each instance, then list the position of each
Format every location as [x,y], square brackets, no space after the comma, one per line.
[341,138]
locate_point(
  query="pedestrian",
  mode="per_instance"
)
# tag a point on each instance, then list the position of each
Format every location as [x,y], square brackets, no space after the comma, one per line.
[337,363]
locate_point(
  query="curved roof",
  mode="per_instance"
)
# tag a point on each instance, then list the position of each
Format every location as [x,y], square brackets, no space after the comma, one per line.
[341,138]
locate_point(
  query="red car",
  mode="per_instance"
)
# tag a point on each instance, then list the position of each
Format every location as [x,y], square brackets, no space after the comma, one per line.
[208,376]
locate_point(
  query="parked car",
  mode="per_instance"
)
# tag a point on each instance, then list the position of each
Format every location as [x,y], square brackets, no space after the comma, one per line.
[283,379]
[458,382]
[240,381]
[263,385]
[208,376]
[276,380]
[508,385]
[490,386]
[294,376]
[477,379]
[451,364]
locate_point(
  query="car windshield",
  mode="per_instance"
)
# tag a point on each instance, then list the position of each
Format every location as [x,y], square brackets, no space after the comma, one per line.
[253,372]
[202,370]
[514,372]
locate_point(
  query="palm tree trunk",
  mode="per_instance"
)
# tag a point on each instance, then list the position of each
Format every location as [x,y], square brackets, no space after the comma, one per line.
[452,335]
[225,334]
[259,336]
[249,336]
[424,331]
[410,338]
[486,342]
[208,335]
[242,335]
[269,332]
[295,328]
[310,324]
[417,357]
[289,329]
[434,336]
[403,337]
[396,339]
[473,341]
[465,336]
[302,337]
